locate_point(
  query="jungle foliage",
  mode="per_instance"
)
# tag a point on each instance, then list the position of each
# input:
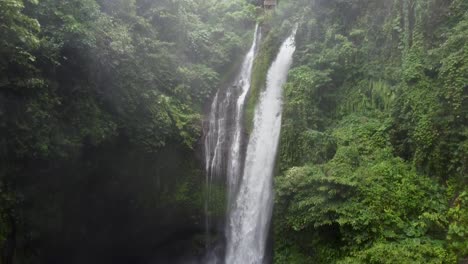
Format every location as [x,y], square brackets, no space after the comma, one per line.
[373,155]
[101,105]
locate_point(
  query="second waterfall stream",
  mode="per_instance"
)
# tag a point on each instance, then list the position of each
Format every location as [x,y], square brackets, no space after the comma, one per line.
[249,176]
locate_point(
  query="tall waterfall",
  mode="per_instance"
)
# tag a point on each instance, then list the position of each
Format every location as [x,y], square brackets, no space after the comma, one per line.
[224,136]
[249,217]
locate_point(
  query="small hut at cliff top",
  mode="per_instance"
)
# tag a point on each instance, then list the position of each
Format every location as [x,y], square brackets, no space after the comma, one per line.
[269,4]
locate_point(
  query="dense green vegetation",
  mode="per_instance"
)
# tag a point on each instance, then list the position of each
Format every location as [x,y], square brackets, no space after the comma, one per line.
[101,106]
[101,119]
[374,145]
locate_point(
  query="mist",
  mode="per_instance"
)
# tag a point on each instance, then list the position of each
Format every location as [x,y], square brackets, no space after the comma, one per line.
[241,131]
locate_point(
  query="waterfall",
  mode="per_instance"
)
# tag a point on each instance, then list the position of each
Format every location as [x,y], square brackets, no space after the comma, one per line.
[234,163]
[249,218]
[224,136]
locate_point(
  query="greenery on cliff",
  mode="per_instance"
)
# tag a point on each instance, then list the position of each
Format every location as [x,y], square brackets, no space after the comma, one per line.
[101,116]
[374,146]
[101,105]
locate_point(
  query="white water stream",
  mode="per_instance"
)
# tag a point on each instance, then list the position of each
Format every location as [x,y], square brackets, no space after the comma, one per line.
[248,177]
[249,218]
[224,136]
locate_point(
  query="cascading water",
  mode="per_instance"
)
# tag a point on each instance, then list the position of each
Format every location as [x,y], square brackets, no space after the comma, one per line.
[249,217]
[234,163]
[224,136]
